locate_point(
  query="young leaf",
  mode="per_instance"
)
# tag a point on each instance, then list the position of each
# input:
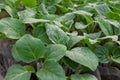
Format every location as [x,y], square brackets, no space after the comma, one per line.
[83,77]
[83,56]
[29,49]
[51,71]
[18,72]
[55,52]
[12,28]
[56,35]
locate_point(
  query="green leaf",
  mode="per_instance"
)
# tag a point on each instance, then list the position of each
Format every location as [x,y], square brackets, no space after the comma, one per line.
[114,38]
[29,68]
[51,71]
[102,53]
[68,25]
[83,56]
[10,11]
[17,72]
[43,9]
[29,3]
[116,55]
[111,14]
[29,49]
[12,28]
[93,35]
[114,23]
[12,3]
[85,14]
[83,77]
[67,16]
[73,41]
[105,26]
[27,13]
[52,2]
[71,64]
[40,33]
[110,45]
[102,9]
[55,52]
[15,54]
[51,17]
[82,12]
[80,25]
[56,35]
[33,20]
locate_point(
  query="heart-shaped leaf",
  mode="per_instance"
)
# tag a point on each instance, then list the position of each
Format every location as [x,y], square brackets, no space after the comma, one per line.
[29,49]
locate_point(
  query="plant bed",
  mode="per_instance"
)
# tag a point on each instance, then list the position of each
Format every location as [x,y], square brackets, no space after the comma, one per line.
[59,40]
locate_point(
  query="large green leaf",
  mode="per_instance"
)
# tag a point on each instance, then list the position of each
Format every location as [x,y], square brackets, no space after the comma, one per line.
[83,56]
[18,72]
[83,77]
[56,35]
[55,52]
[12,28]
[51,71]
[29,49]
